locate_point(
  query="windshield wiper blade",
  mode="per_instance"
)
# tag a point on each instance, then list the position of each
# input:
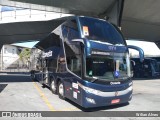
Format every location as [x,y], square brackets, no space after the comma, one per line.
[101,42]
[94,80]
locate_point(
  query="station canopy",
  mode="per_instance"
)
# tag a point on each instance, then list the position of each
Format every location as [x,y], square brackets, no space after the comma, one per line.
[139,19]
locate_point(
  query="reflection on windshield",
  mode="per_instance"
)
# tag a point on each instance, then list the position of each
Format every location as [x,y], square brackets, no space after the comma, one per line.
[108,67]
[100,67]
[99,30]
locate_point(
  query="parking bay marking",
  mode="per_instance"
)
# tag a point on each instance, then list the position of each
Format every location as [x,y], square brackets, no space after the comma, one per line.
[44,97]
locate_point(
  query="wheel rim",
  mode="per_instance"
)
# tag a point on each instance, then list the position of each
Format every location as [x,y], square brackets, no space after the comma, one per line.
[53,86]
[61,89]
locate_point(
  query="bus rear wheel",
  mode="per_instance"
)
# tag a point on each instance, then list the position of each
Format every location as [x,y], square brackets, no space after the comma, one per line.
[61,90]
[53,86]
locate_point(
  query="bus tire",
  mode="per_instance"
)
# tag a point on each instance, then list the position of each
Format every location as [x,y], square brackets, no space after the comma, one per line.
[53,86]
[61,90]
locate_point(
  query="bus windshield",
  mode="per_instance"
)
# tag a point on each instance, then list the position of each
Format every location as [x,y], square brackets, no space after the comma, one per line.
[116,67]
[100,30]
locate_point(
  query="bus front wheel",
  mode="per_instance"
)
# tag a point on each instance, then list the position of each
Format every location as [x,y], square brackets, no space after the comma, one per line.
[61,90]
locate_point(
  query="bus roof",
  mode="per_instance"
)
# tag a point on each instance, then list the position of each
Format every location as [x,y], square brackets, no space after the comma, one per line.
[52,38]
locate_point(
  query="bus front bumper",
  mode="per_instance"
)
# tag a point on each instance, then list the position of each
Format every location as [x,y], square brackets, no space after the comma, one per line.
[110,98]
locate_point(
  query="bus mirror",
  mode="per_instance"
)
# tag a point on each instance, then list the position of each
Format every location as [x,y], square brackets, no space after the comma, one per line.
[141,52]
[132,66]
[78,40]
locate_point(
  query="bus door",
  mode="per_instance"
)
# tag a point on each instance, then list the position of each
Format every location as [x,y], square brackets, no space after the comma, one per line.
[73,60]
[39,68]
[45,79]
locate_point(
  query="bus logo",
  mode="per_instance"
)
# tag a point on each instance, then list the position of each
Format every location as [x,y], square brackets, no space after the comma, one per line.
[116,93]
[47,54]
[114,83]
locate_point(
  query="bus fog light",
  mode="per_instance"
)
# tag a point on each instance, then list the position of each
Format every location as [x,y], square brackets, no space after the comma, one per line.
[90,100]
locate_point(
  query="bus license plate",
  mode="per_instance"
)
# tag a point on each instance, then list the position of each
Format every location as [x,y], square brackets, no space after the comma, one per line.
[115,101]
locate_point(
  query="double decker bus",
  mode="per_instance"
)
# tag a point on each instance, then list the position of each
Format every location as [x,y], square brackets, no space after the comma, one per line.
[87,61]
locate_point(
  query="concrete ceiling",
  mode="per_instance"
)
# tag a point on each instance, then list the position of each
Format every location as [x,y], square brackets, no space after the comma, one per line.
[23,31]
[26,31]
[97,8]
[140,18]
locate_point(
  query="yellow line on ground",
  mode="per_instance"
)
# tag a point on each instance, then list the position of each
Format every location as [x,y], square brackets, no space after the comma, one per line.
[44,97]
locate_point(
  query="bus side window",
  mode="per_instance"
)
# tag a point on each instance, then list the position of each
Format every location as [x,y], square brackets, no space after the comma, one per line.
[73,59]
[52,65]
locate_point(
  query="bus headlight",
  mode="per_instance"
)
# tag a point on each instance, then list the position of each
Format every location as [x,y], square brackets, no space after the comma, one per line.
[90,100]
[89,90]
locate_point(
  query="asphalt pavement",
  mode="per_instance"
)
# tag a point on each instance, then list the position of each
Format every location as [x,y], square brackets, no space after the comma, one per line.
[20,93]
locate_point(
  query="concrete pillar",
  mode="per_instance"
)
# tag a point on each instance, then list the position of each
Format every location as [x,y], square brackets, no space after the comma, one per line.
[1,59]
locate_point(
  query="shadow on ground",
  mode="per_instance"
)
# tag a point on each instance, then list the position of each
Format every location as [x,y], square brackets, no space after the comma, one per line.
[15,78]
[92,109]
[2,86]
[97,108]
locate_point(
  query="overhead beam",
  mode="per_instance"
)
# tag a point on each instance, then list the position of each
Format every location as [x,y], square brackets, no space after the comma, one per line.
[78,7]
[140,30]
[114,13]
[24,31]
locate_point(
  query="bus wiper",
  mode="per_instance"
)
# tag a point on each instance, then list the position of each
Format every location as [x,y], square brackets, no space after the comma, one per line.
[95,79]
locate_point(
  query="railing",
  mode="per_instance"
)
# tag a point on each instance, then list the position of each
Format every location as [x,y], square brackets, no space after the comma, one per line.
[28,15]
[14,64]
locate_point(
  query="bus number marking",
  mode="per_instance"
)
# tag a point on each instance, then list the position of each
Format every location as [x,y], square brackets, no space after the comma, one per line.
[112,48]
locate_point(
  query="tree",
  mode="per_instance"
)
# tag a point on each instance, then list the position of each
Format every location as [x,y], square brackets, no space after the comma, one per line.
[25,55]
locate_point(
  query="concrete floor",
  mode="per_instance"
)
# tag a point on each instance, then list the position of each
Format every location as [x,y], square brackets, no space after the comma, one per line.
[20,93]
